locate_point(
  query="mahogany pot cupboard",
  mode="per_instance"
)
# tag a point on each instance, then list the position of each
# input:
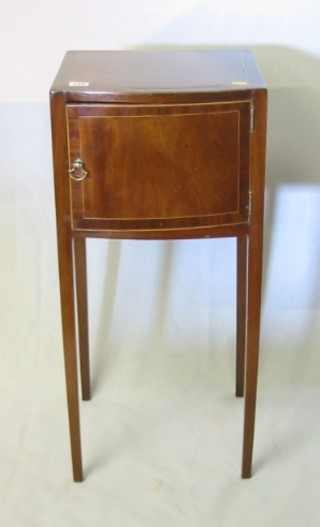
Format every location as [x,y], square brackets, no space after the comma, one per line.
[159,145]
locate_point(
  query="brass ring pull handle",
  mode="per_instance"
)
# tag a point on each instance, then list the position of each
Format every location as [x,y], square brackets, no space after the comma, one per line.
[77,171]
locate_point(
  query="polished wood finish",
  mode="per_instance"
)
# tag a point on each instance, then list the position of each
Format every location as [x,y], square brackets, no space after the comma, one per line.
[82,305]
[242,284]
[174,148]
[145,173]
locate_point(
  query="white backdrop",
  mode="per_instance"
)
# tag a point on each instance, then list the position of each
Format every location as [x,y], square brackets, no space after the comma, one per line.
[155,300]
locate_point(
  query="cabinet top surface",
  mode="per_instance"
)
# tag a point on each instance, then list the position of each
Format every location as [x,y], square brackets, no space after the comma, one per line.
[116,72]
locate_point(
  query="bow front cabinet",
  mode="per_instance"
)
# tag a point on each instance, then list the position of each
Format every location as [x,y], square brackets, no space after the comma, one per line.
[159,145]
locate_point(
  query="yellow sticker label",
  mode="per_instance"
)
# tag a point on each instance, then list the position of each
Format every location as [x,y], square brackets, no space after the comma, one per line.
[78,83]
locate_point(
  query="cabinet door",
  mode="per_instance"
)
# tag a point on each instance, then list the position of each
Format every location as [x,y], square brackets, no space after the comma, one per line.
[160,166]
